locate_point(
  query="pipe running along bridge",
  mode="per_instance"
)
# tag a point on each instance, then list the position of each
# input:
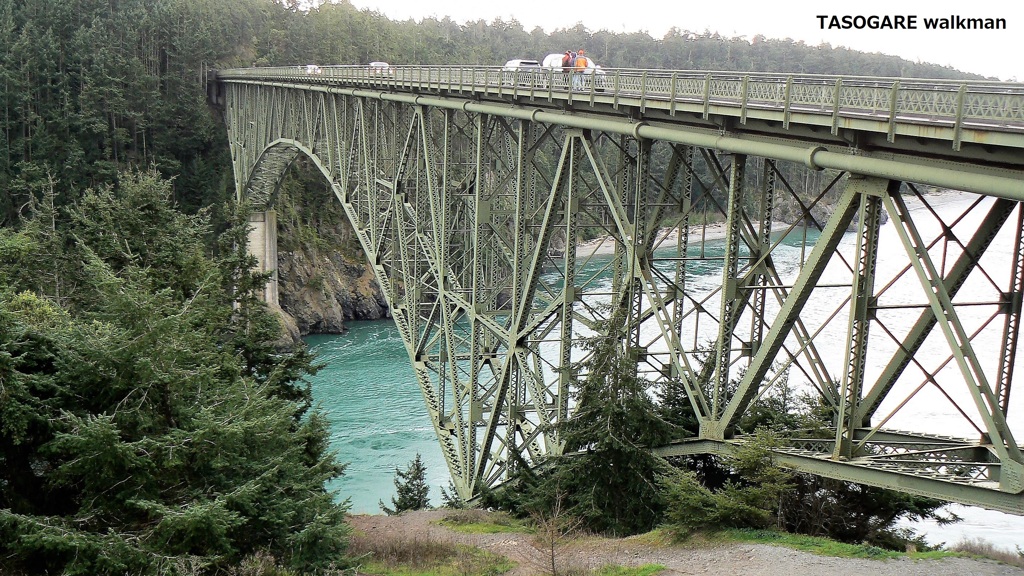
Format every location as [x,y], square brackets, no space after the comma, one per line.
[806,251]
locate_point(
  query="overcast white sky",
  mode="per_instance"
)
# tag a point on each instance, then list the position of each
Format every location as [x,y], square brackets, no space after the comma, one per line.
[997,53]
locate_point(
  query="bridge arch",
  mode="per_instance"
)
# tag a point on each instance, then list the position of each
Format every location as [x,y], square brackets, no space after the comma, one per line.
[459,200]
[261,189]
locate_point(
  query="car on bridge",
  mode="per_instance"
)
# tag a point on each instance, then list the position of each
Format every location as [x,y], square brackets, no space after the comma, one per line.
[314,69]
[379,68]
[524,73]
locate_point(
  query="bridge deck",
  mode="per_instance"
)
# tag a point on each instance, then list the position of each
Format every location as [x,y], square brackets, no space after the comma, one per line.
[989,113]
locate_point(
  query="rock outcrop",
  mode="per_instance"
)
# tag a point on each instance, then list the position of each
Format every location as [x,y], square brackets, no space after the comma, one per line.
[321,291]
[324,278]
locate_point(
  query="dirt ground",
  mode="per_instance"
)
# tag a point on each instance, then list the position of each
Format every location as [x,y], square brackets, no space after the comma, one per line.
[731,559]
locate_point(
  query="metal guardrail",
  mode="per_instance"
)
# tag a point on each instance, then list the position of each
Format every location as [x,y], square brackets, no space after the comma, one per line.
[997,106]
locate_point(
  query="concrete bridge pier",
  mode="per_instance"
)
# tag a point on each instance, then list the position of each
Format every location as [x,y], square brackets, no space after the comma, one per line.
[263,245]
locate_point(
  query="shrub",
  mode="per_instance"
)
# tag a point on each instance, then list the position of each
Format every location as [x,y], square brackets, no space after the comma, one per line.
[411,487]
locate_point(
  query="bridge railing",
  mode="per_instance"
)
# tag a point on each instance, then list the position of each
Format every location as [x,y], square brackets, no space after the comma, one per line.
[976,104]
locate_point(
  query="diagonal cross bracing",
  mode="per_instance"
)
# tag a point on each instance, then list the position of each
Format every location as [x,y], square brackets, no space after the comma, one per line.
[480,217]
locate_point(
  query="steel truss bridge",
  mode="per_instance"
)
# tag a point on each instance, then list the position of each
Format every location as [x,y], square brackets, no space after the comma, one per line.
[748,233]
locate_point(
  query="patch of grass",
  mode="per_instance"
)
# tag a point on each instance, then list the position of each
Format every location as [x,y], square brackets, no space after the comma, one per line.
[981,548]
[659,537]
[645,570]
[471,567]
[472,521]
[823,546]
[421,556]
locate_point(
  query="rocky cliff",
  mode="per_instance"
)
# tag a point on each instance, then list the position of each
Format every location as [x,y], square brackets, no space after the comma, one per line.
[324,279]
[323,291]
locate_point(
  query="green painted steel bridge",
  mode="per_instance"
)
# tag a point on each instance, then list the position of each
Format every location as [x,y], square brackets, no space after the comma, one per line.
[736,234]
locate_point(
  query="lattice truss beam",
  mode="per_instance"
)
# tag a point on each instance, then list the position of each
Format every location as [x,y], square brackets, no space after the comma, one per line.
[471,222]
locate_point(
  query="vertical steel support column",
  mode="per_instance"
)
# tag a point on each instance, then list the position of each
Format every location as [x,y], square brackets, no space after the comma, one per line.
[510,143]
[453,420]
[523,246]
[861,307]
[620,282]
[480,219]
[514,370]
[450,424]
[730,286]
[1011,308]
[366,118]
[439,213]
[682,245]
[665,306]
[570,206]
[761,258]
[638,257]
[404,249]
[521,249]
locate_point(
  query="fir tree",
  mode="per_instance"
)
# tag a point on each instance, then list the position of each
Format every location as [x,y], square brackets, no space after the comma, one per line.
[450,498]
[411,487]
[138,427]
[608,472]
[606,478]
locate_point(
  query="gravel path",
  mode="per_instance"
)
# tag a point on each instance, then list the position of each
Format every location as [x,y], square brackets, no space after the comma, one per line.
[730,560]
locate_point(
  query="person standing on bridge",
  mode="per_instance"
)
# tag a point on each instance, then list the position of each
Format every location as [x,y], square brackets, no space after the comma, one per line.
[567,59]
[580,66]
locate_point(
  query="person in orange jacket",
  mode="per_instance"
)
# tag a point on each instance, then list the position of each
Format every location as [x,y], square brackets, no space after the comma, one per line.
[580,68]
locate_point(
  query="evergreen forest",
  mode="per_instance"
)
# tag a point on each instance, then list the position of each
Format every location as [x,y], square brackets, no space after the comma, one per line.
[149,424]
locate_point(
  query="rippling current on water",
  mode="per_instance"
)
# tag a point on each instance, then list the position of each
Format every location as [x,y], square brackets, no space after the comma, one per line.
[379,422]
[378,419]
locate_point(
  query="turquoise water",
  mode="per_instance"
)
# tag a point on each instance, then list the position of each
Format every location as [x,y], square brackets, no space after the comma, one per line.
[378,420]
